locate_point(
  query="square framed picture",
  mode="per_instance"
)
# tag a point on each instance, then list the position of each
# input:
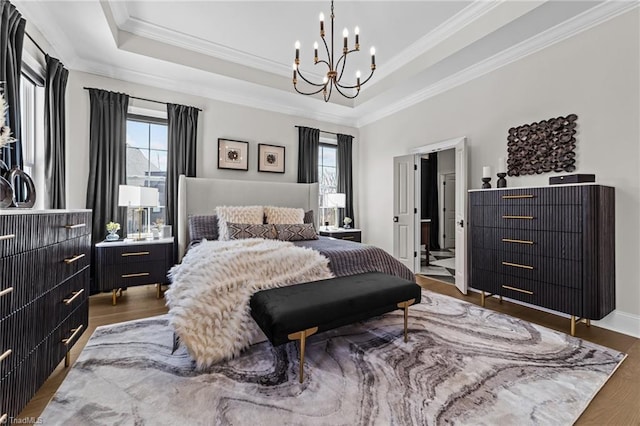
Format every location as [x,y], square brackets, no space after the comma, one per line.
[233,154]
[270,158]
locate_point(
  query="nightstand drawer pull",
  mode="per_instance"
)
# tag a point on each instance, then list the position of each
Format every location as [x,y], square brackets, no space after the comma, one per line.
[140,274]
[517,265]
[75,294]
[74,259]
[136,253]
[6,291]
[508,287]
[5,355]
[513,197]
[77,225]
[7,237]
[75,331]
[517,217]
[509,240]
[349,238]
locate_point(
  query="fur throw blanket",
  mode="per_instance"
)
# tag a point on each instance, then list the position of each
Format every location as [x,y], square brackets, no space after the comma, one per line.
[209,296]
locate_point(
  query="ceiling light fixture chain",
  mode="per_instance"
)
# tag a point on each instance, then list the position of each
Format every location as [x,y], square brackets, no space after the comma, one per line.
[333,77]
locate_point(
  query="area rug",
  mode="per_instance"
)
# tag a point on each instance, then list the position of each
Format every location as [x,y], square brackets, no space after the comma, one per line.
[462,365]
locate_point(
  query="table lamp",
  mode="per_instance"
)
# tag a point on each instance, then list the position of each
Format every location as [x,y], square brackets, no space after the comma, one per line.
[138,197]
[336,201]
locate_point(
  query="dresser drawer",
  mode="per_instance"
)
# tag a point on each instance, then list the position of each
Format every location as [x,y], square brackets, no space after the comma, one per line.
[138,253]
[132,274]
[562,299]
[71,225]
[570,195]
[7,352]
[67,296]
[566,218]
[564,245]
[69,257]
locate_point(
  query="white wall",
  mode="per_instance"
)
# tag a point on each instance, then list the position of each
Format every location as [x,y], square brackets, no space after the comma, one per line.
[217,120]
[594,75]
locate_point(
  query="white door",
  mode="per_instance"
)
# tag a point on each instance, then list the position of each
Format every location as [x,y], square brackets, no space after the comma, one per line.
[404,199]
[461,217]
[449,210]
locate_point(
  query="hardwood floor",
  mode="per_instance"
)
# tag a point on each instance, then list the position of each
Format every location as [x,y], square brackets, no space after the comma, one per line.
[617,403]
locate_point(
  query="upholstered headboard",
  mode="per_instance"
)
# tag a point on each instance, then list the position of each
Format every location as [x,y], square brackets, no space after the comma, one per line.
[198,196]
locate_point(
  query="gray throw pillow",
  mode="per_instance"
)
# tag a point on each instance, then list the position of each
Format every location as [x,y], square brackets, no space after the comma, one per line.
[203,227]
[239,231]
[308,216]
[296,232]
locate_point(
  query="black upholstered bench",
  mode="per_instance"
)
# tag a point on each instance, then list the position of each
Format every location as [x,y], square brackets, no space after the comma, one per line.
[296,312]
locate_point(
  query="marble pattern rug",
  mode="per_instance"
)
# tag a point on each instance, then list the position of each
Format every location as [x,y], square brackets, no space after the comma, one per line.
[462,365]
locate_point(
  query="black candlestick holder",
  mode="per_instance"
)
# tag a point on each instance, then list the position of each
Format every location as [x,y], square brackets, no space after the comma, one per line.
[502,182]
[486,183]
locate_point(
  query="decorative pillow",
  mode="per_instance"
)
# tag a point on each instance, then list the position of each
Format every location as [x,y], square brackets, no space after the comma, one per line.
[237,214]
[283,215]
[239,231]
[296,232]
[308,217]
[203,227]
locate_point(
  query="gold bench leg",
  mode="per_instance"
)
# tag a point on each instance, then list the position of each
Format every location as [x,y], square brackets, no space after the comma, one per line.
[158,291]
[405,305]
[302,336]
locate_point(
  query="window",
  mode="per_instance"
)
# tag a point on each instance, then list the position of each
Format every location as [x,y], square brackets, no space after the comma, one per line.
[28,130]
[147,159]
[328,179]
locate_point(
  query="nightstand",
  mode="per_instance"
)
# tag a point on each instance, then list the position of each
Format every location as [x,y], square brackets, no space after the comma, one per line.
[350,234]
[123,264]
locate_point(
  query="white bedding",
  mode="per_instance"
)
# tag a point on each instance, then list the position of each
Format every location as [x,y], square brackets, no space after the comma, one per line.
[209,296]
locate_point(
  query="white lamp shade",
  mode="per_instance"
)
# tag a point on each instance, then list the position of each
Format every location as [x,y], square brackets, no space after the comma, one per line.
[336,200]
[137,196]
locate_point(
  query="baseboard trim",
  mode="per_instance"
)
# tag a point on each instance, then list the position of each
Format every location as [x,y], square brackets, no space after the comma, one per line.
[618,321]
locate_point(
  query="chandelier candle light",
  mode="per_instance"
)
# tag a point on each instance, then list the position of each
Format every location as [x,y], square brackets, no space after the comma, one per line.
[333,77]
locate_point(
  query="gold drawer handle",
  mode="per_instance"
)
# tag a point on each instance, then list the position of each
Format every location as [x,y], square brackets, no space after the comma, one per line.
[137,253]
[75,294]
[514,197]
[348,238]
[76,330]
[3,418]
[141,274]
[509,240]
[508,287]
[3,357]
[77,225]
[7,237]
[517,217]
[6,291]
[74,259]
[517,265]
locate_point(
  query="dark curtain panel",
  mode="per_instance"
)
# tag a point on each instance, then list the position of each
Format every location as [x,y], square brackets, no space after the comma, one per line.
[181,157]
[345,181]
[107,158]
[308,143]
[11,38]
[430,199]
[54,132]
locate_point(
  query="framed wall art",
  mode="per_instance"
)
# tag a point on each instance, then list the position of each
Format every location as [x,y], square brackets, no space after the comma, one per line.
[233,155]
[270,158]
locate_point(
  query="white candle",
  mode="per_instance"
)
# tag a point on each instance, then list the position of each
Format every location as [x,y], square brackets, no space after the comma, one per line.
[502,168]
[486,171]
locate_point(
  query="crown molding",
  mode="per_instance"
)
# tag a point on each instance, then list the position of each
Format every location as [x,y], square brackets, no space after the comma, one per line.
[442,32]
[283,103]
[569,28]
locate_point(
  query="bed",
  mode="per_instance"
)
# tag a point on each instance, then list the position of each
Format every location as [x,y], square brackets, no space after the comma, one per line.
[208,298]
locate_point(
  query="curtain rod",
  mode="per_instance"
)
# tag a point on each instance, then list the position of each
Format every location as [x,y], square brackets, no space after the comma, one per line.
[142,99]
[35,43]
[321,131]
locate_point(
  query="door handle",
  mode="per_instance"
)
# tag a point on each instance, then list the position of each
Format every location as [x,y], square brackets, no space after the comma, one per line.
[395,219]
[461,223]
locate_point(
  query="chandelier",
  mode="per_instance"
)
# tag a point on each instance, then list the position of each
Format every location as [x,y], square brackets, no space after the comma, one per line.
[335,68]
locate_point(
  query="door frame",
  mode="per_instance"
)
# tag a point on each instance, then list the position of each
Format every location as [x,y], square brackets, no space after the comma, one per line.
[462,176]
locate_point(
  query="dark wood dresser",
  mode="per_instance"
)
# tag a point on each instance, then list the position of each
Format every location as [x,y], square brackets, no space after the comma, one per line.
[122,264]
[44,285]
[552,247]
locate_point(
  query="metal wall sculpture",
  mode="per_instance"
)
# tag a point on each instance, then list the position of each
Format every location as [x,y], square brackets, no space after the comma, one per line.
[545,146]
